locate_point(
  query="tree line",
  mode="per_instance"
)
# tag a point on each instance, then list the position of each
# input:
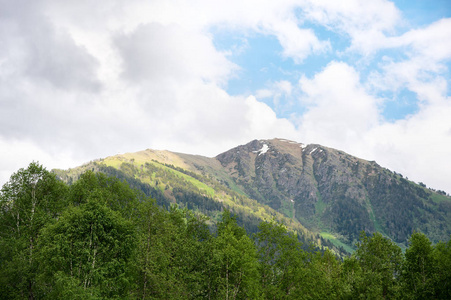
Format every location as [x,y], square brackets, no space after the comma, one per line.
[100,239]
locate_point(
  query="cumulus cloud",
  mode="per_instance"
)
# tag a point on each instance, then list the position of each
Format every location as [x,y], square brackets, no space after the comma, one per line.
[340,111]
[264,122]
[343,114]
[432,41]
[82,80]
[424,69]
[366,22]
[297,43]
[417,146]
[34,49]
[155,52]
[280,92]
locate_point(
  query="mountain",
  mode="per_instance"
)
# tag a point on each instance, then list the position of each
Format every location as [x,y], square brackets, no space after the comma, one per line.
[331,191]
[325,195]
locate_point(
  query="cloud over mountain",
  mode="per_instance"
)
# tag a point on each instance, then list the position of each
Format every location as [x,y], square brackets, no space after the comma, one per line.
[80,80]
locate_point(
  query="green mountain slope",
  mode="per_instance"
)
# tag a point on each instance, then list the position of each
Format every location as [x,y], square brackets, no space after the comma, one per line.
[322,193]
[331,191]
[156,174]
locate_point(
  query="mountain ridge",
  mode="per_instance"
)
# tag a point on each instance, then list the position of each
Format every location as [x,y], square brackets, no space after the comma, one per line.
[324,191]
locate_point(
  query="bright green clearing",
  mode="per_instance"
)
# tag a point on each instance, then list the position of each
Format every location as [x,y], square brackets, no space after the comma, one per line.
[336,241]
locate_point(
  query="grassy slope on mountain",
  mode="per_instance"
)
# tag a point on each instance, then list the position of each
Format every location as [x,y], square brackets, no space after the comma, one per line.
[327,190]
[200,191]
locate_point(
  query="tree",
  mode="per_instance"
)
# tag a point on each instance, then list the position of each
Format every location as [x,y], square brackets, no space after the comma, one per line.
[116,194]
[324,276]
[288,272]
[418,268]
[380,263]
[442,278]
[281,261]
[233,265]
[28,201]
[87,251]
[172,253]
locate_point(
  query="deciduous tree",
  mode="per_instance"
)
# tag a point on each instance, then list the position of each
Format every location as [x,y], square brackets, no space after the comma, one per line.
[28,201]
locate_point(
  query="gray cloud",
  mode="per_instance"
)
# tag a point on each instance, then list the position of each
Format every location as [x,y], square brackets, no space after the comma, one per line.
[81,80]
[33,47]
[55,58]
[44,76]
[155,52]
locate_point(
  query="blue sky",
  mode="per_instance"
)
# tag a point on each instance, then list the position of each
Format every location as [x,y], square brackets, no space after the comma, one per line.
[422,12]
[262,62]
[82,80]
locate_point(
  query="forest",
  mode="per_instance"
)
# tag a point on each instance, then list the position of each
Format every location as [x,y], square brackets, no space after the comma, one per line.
[98,238]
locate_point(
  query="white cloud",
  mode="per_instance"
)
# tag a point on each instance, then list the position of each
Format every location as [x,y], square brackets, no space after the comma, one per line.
[422,72]
[19,153]
[418,146]
[155,52]
[82,80]
[365,22]
[264,122]
[33,48]
[433,41]
[280,93]
[340,112]
[297,43]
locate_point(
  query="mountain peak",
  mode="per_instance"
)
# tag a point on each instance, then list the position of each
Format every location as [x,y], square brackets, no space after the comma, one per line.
[322,188]
[328,188]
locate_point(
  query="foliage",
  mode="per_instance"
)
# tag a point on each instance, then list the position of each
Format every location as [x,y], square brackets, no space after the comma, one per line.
[233,266]
[379,264]
[418,268]
[281,260]
[90,245]
[101,239]
[28,201]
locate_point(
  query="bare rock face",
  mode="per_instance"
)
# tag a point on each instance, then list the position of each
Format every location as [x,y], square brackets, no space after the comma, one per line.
[331,190]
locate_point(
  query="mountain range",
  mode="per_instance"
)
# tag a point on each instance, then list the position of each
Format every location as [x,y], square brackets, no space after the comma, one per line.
[325,195]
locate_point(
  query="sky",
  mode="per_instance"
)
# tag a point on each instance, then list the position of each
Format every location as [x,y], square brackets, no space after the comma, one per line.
[81,80]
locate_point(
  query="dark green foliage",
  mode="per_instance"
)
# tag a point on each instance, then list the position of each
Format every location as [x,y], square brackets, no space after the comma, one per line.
[88,248]
[114,193]
[418,268]
[375,267]
[100,239]
[351,218]
[426,269]
[289,272]
[28,201]
[442,273]
[171,253]
[233,264]
[196,201]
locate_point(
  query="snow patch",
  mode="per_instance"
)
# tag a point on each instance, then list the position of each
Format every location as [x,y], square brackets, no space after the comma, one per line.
[312,151]
[263,150]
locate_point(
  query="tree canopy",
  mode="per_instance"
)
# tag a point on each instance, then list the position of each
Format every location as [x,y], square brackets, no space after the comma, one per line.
[100,239]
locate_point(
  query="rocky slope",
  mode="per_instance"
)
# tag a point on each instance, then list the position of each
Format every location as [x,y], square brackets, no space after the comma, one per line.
[325,190]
